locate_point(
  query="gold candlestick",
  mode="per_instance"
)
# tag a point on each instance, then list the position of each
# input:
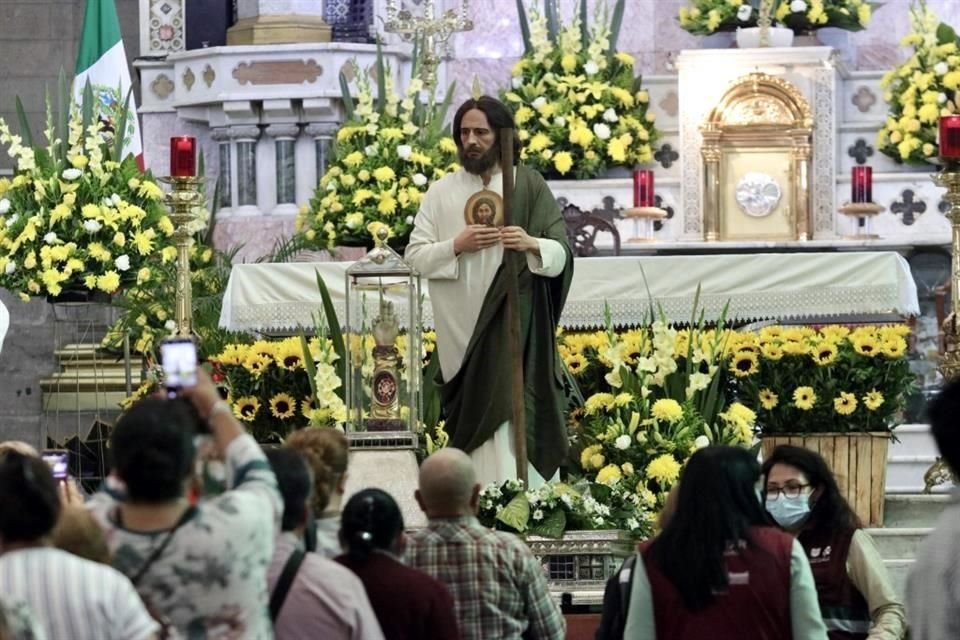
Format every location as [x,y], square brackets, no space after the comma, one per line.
[182,200]
[949,178]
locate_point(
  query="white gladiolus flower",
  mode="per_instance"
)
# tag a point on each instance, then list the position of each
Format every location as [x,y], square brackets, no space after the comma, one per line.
[71,174]
[11,267]
[744,12]
[591,68]
[404,151]
[4,206]
[601,130]
[701,442]
[516,82]
[941,68]
[116,199]
[622,442]
[798,6]
[50,238]
[539,103]
[92,226]
[122,263]
[419,179]
[12,220]
[560,121]
[610,115]
[371,150]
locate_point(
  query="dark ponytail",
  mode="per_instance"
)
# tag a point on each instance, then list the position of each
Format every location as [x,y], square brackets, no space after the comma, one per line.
[371,520]
[29,504]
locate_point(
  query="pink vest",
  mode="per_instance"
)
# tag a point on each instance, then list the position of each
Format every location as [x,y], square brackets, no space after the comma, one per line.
[756,604]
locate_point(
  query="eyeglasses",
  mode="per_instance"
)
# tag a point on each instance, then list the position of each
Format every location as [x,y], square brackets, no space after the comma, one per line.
[791,490]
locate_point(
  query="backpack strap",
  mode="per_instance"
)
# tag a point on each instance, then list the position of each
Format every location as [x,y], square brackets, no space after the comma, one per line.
[285,581]
[625,579]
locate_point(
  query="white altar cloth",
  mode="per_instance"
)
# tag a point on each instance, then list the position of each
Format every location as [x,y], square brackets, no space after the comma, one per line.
[763,286]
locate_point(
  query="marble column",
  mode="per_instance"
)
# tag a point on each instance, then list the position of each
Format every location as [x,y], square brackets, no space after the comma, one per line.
[285,137]
[245,142]
[221,135]
[322,134]
[279,22]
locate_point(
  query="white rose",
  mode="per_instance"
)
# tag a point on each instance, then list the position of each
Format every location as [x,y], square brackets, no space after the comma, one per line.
[517,82]
[107,202]
[601,130]
[71,174]
[50,238]
[409,220]
[404,151]
[591,68]
[11,267]
[170,325]
[941,98]
[744,12]
[371,150]
[116,199]
[941,68]
[92,226]
[610,115]
[539,102]
[622,442]
[538,515]
[419,179]
[798,6]
[560,121]
[4,206]
[122,263]
[701,442]
[12,220]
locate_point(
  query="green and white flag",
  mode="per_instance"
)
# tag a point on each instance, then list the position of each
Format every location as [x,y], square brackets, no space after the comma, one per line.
[102,61]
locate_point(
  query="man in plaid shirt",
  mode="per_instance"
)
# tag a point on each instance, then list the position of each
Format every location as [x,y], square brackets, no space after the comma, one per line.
[499,588]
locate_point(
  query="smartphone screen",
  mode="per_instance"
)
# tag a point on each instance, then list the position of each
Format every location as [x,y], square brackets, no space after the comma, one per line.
[59,461]
[179,358]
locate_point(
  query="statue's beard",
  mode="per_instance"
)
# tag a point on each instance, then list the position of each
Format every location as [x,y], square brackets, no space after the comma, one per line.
[482,163]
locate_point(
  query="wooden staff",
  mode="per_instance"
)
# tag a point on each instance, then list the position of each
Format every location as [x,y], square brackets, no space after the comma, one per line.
[513,314]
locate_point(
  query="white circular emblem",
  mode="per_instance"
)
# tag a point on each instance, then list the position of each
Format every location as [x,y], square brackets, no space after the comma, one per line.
[758,194]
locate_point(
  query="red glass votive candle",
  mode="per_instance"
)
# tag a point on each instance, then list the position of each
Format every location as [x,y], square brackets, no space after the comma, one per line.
[643,188]
[861,184]
[950,137]
[183,157]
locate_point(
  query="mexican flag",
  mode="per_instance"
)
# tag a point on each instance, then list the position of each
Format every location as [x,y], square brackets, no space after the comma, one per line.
[102,61]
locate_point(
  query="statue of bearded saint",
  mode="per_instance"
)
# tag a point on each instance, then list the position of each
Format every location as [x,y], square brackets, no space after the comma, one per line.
[385,387]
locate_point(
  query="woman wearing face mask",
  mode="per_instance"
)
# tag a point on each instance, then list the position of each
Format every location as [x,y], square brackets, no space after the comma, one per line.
[856,596]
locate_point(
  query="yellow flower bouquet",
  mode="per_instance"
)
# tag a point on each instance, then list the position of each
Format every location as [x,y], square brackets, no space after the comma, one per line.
[75,217]
[386,155]
[921,90]
[836,379]
[579,109]
[703,17]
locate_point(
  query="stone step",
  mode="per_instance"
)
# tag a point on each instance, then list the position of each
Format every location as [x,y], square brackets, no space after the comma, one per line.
[899,543]
[913,511]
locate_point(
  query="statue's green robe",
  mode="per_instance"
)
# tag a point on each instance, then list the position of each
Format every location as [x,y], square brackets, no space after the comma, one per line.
[477,401]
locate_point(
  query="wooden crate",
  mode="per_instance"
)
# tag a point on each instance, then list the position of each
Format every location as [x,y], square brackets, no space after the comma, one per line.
[858,461]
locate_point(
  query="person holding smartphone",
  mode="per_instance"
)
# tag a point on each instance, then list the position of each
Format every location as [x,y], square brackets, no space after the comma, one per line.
[198,567]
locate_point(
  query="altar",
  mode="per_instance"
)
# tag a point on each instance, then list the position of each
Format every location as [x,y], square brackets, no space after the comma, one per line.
[786,287]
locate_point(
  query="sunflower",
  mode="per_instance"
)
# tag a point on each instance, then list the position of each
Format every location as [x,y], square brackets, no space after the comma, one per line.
[804,398]
[768,399]
[771,333]
[845,403]
[283,406]
[256,363]
[289,355]
[894,347]
[576,363]
[306,407]
[246,408]
[233,354]
[744,364]
[264,347]
[873,400]
[771,351]
[865,345]
[793,348]
[824,353]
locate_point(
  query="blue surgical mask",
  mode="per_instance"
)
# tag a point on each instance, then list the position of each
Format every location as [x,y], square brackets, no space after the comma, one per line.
[789,513]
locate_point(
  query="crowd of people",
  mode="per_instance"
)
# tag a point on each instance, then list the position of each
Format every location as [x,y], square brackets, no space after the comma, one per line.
[743,551]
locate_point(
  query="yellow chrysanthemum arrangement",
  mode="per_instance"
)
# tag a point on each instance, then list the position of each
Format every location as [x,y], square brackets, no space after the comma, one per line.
[921,90]
[832,379]
[578,105]
[703,17]
[75,217]
[385,156]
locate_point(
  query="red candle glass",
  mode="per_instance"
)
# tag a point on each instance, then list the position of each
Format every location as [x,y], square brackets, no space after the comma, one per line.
[861,182]
[643,188]
[183,157]
[950,137]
